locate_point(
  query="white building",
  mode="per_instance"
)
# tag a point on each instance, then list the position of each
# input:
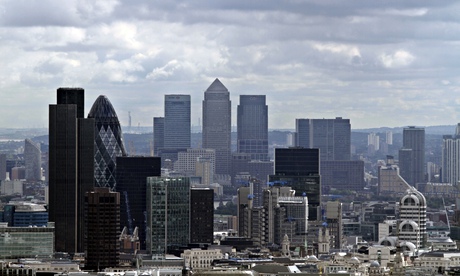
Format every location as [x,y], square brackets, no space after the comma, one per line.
[200,259]
[412,213]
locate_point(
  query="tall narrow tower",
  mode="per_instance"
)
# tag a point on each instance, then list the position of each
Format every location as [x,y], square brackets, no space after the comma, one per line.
[71,167]
[217,125]
[413,168]
[177,131]
[252,123]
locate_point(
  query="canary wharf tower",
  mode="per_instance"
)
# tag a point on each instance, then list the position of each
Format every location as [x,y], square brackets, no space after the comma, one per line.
[108,142]
[217,124]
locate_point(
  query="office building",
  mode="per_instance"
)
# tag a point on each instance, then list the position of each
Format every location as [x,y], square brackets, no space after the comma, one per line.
[201,215]
[108,142]
[103,223]
[177,131]
[217,125]
[334,223]
[132,173]
[331,136]
[18,173]
[32,160]
[342,175]
[391,182]
[412,218]
[158,135]
[26,242]
[204,168]
[252,124]
[24,214]
[168,214]
[187,160]
[2,166]
[450,157]
[71,167]
[414,139]
[299,168]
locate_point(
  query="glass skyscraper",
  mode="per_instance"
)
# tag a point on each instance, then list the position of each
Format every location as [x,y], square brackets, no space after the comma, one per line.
[32,160]
[252,123]
[217,125]
[177,131]
[108,142]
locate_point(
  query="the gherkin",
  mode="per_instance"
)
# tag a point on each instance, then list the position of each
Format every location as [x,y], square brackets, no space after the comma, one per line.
[108,142]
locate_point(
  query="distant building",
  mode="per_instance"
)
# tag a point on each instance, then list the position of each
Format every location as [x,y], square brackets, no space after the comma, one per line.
[18,173]
[412,222]
[252,124]
[199,259]
[24,214]
[217,125]
[2,166]
[10,187]
[390,180]
[331,136]
[413,166]
[32,159]
[167,233]
[342,175]
[177,124]
[108,142]
[450,157]
[132,173]
[102,242]
[158,135]
[187,160]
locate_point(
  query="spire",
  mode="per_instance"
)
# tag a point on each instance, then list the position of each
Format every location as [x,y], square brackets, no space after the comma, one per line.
[216,85]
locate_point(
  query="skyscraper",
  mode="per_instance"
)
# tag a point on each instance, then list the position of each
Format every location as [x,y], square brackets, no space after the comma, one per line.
[450,161]
[132,173]
[108,142]
[414,139]
[71,167]
[102,245]
[32,160]
[252,124]
[201,215]
[2,166]
[177,131]
[158,135]
[331,136]
[299,168]
[217,125]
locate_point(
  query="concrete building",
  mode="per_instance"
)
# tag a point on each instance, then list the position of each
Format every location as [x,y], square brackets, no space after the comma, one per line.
[217,125]
[11,187]
[412,218]
[390,181]
[187,160]
[331,136]
[32,160]
[200,259]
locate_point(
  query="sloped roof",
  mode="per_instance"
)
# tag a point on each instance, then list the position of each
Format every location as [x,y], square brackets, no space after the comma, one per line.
[216,85]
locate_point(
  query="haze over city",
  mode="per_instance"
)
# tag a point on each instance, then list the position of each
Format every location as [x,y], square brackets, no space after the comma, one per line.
[391,63]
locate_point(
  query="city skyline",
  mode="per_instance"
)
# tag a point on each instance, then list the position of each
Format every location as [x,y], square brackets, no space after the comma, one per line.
[377,63]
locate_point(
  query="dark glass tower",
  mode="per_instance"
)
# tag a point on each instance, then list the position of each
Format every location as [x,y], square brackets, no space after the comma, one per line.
[132,173]
[414,139]
[108,142]
[252,123]
[201,215]
[71,168]
[298,168]
[158,135]
[217,125]
[177,132]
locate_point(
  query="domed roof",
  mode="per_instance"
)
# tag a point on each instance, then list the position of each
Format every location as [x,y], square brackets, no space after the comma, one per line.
[102,108]
[354,260]
[312,258]
[375,264]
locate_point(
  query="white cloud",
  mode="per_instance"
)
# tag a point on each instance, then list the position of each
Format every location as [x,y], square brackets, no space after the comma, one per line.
[398,59]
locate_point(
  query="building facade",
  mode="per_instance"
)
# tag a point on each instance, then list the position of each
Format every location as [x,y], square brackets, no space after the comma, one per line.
[414,139]
[32,160]
[412,218]
[108,142]
[342,175]
[158,135]
[217,125]
[177,124]
[331,136]
[132,173]
[168,214]
[187,160]
[103,227]
[71,167]
[252,125]
[450,157]
[201,215]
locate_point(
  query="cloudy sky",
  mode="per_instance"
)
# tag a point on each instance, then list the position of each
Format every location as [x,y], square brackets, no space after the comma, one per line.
[379,63]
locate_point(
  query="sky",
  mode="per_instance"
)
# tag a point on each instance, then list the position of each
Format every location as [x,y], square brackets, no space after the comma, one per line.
[378,63]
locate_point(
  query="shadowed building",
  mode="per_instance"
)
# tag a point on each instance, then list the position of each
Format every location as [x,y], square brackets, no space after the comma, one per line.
[71,167]
[413,162]
[201,215]
[103,228]
[32,160]
[132,173]
[217,125]
[108,142]
[158,135]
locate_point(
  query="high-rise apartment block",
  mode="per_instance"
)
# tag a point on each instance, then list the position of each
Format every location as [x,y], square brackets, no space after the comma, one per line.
[132,173]
[299,168]
[252,124]
[413,164]
[32,160]
[71,167]
[168,214]
[108,142]
[331,136]
[217,125]
[102,214]
[450,157]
